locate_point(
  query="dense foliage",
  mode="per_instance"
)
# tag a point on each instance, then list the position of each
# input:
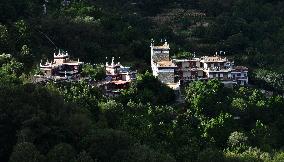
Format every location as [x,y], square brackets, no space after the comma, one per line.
[148,89]
[75,122]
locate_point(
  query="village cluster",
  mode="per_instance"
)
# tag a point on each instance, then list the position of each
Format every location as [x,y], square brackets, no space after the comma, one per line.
[172,72]
[175,72]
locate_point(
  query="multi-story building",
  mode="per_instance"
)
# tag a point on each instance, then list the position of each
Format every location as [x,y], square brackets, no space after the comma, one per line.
[118,77]
[115,71]
[170,71]
[240,75]
[162,66]
[61,66]
[217,67]
[188,69]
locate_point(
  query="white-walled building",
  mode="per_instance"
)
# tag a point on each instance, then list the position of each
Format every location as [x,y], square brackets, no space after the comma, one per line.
[118,77]
[162,66]
[171,71]
[61,65]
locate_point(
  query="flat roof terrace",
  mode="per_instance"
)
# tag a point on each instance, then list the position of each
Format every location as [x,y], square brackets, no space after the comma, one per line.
[166,64]
[213,59]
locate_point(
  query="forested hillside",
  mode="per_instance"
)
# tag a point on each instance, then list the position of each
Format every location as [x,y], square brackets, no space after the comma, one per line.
[75,122]
[250,30]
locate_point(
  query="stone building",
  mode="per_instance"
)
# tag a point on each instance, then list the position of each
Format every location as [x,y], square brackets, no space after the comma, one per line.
[162,66]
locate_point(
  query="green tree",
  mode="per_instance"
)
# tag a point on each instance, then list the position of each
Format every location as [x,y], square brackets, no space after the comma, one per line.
[239,105]
[26,152]
[210,155]
[104,143]
[113,111]
[146,89]
[83,157]
[262,136]
[61,153]
[10,72]
[140,154]
[26,58]
[5,58]
[80,124]
[249,155]
[237,141]
[184,55]
[4,35]
[278,157]
[187,140]
[80,93]
[22,32]
[237,42]
[207,99]
[12,68]
[96,72]
[218,129]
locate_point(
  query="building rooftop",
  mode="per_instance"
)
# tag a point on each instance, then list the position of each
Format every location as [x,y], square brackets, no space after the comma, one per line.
[61,54]
[161,47]
[73,63]
[164,46]
[186,60]
[166,64]
[213,59]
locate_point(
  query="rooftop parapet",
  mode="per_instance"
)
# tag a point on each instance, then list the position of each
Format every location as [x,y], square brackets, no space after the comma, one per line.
[46,64]
[164,46]
[60,54]
[113,64]
[213,59]
[186,60]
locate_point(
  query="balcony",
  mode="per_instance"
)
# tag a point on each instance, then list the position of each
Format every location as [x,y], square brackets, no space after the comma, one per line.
[189,69]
